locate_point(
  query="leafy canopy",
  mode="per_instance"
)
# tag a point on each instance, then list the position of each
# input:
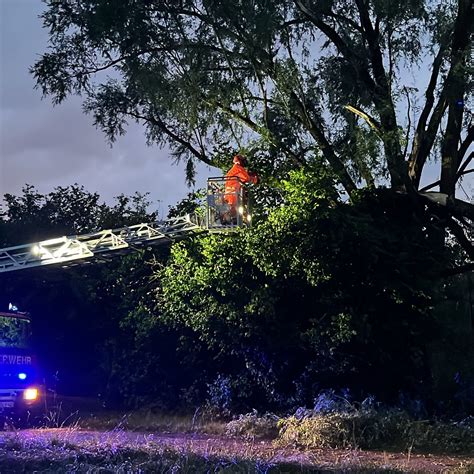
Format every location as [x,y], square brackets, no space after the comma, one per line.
[320,292]
[288,81]
[304,78]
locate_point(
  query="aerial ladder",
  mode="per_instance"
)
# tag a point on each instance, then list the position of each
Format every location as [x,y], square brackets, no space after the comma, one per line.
[214,215]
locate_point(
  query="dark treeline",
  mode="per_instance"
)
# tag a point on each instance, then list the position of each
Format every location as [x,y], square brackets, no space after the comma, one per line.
[319,294]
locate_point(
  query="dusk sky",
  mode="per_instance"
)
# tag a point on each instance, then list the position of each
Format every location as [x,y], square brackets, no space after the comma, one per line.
[50,146]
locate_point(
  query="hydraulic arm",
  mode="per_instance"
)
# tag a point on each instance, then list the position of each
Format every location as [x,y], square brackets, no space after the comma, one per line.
[223,211]
[72,250]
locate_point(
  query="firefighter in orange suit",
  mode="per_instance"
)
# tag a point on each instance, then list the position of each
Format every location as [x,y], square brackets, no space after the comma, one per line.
[234,179]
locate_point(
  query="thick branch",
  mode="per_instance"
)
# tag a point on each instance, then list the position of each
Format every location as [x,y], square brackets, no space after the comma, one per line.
[420,149]
[436,183]
[449,209]
[467,142]
[455,207]
[461,237]
[374,125]
[317,133]
[376,57]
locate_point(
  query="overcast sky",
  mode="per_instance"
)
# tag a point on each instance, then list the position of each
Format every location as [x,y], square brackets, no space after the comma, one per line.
[56,146]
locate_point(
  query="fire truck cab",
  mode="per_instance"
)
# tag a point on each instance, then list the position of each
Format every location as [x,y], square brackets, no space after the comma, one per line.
[20,389]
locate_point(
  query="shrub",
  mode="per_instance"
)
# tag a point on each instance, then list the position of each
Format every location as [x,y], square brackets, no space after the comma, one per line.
[252,426]
[437,436]
[364,429]
[220,393]
[371,428]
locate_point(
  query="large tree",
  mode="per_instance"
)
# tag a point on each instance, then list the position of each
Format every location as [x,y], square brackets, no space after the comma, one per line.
[330,80]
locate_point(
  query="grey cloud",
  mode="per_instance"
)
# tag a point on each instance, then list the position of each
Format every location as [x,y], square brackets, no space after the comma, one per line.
[55,146]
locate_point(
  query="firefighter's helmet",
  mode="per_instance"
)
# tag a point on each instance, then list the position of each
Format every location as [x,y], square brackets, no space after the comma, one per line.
[240,160]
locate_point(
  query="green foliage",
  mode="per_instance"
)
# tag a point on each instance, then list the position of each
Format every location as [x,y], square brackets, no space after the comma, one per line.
[322,292]
[375,429]
[204,74]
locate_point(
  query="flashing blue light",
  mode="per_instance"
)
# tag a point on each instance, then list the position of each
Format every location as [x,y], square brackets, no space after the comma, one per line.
[22,376]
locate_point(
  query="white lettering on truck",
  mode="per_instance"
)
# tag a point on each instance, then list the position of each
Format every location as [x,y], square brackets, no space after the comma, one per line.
[14,359]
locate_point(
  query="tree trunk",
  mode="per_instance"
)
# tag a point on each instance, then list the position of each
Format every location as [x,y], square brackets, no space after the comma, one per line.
[459,54]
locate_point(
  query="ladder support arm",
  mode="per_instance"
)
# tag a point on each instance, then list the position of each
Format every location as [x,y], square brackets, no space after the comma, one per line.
[68,250]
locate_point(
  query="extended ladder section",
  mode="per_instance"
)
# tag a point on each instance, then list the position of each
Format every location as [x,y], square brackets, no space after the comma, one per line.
[226,208]
[72,250]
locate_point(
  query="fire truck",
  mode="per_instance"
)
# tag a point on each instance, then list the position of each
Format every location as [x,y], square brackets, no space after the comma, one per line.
[21,392]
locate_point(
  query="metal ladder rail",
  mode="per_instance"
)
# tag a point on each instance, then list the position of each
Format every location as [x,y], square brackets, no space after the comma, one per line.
[69,250]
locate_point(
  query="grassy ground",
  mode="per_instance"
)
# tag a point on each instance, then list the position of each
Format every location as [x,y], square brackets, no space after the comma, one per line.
[148,420]
[91,439]
[146,441]
[72,450]
[360,429]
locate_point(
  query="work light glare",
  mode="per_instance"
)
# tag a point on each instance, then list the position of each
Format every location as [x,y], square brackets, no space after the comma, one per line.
[35,250]
[30,394]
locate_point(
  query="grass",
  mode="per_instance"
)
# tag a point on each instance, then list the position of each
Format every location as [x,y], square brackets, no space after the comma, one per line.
[118,450]
[366,428]
[149,420]
[332,442]
[373,429]
[66,451]
[54,454]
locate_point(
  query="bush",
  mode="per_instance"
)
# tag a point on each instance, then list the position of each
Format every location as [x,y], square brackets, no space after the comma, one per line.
[372,428]
[437,436]
[252,426]
[220,393]
[363,429]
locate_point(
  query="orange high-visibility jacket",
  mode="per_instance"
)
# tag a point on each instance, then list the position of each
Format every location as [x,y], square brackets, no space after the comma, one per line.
[232,186]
